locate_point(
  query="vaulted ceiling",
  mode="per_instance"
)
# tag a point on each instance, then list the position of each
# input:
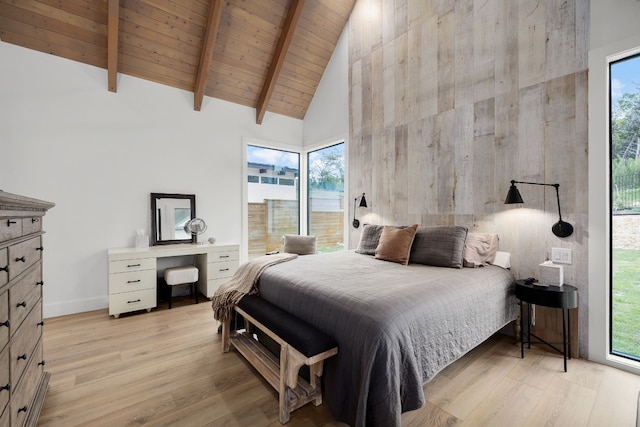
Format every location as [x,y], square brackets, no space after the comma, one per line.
[266,54]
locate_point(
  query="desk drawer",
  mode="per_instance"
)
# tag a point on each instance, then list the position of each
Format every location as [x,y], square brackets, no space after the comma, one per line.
[132,281]
[224,256]
[220,270]
[126,265]
[131,301]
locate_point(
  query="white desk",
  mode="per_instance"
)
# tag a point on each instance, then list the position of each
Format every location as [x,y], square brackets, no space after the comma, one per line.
[133,272]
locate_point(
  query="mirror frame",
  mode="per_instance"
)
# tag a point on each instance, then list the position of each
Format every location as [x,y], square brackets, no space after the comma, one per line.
[154,225]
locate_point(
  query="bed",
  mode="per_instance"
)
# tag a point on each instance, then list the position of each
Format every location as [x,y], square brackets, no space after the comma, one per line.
[396,325]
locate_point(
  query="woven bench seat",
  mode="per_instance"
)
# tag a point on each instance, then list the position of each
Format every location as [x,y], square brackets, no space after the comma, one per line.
[300,344]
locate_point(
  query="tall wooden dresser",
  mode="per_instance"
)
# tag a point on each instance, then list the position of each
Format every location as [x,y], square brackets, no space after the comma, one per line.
[23,381]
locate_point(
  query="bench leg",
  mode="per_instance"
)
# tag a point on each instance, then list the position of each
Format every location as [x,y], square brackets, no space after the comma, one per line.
[315,372]
[226,332]
[284,402]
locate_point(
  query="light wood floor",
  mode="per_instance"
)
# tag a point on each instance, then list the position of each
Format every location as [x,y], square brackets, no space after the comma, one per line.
[166,368]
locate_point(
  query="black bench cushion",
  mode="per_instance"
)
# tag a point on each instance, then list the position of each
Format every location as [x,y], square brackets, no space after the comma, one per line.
[297,333]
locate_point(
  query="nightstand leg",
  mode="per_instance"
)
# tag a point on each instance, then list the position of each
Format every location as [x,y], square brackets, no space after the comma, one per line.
[569,330]
[521,332]
[564,340]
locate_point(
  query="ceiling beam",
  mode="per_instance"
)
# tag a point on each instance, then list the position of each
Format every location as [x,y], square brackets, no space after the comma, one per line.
[112,44]
[295,9]
[211,33]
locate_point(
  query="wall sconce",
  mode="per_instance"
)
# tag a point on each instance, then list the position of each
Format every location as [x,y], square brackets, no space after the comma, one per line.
[363,204]
[560,228]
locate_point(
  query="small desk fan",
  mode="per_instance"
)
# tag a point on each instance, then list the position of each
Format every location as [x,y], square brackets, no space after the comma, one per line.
[195,227]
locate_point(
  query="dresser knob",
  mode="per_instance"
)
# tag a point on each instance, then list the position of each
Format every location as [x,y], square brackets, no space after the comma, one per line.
[6,387]
[35,220]
[6,268]
[41,363]
[23,409]
[23,357]
[40,283]
[21,259]
[41,248]
[9,222]
[22,304]
[41,323]
[5,323]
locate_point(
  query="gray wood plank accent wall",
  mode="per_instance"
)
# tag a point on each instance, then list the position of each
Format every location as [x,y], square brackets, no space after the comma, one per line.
[451,100]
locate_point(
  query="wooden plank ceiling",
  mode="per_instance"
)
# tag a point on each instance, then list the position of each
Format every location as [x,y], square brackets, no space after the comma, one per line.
[266,54]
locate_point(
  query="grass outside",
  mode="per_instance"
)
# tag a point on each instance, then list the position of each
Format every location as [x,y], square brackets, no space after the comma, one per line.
[626,302]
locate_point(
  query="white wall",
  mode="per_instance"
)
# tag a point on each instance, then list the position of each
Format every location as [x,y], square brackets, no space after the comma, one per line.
[614,29]
[66,139]
[327,119]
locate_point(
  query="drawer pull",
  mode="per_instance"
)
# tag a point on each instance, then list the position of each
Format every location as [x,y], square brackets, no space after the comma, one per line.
[6,323]
[23,409]
[23,356]
[40,283]
[22,304]
[224,256]
[21,259]
[42,363]
[40,323]
[6,387]
[133,265]
[224,269]
[133,302]
[133,281]
[6,268]
[41,248]
[9,222]
[35,220]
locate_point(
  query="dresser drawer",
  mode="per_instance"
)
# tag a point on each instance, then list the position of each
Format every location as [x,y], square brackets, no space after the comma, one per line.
[22,396]
[23,343]
[5,381]
[23,255]
[5,418]
[220,270]
[4,266]
[31,225]
[126,265]
[131,301]
[10,228]
[23,296]
[4,321]
[132,281]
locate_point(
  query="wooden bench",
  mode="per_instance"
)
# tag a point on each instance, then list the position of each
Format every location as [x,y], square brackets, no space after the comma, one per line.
[300,344]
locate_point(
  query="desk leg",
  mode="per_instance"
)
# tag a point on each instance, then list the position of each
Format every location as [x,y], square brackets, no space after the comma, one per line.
[564,340]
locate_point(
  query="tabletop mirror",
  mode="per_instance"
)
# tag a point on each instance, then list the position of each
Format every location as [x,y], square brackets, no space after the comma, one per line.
[169,213]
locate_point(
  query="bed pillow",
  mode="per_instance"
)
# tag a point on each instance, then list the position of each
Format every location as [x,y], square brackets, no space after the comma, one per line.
[480,249]
[395,244]
[369,239]
[301,245]
[440,246]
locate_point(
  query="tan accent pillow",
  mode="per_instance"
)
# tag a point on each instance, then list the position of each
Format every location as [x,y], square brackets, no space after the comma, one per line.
[395,244]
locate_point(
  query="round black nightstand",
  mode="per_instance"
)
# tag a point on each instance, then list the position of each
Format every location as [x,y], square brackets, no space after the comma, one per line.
[564,297]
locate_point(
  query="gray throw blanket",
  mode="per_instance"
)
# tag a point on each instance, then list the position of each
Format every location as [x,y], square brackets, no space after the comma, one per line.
[243,282]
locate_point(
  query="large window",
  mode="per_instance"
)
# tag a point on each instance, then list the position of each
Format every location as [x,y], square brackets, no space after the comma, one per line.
[273,197]
[624,119]
[325,197]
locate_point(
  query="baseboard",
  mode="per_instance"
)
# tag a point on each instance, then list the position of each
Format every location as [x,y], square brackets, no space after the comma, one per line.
[76,306]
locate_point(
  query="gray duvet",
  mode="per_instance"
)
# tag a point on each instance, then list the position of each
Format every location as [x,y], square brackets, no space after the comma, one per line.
[396,326]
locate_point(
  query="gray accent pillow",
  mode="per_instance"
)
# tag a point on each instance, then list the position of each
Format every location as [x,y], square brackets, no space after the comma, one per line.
[440,246]
[301,245]
[369,239]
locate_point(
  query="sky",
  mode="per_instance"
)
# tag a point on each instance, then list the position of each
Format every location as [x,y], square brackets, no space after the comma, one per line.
[623,76]
[272,157]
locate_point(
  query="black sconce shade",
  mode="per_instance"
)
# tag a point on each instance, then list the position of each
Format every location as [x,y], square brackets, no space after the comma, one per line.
[363,204]
[560,228]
